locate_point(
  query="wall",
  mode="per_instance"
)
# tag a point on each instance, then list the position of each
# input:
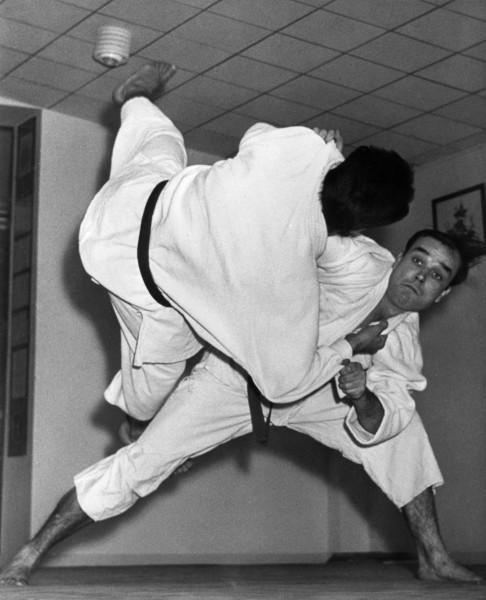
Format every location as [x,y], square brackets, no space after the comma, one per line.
[454,338]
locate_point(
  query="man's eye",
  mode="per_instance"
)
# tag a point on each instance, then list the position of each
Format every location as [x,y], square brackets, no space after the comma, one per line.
[417,260]
[437,276]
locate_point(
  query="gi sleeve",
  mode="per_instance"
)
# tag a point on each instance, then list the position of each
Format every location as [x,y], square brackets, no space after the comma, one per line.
[395,372]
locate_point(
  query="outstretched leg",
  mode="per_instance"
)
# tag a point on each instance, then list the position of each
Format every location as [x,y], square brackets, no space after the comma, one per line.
[434,561]
[131,429]
[404,468]
[66,519]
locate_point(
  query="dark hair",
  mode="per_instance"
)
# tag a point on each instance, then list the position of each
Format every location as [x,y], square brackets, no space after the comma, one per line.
[469,248]
[372,187]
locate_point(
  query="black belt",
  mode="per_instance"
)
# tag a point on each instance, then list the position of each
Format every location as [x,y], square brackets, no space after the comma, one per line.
[143,245]
[260,426]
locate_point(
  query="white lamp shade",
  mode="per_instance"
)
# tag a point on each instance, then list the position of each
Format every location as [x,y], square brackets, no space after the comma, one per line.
[112,45]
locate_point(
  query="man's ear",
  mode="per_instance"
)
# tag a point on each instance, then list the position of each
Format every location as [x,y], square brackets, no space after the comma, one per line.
[443,294]
[398,258]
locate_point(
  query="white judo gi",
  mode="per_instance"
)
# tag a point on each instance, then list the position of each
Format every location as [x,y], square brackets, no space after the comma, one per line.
[233,248]
[210,407]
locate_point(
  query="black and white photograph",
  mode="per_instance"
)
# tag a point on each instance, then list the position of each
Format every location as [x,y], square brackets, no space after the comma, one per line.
[242,317]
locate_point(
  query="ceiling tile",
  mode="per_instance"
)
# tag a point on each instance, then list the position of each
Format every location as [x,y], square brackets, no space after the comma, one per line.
[473,8]
[406,146]
[458,71]
[478,51]
[82,107]
[231,124]
[87,30]
[197,3]
[351,130]
[356,73]
[205,140]
[183,53]
[221,32]
[162,16]
[27,91]
[333,31]
[88,4]
[250,73]
[276,110]
[376,111]
[291,53]
[100,88]
[319,72]
[88,108]
[315,92]
[472,140]
[46,72]
[385,13]
[53,15]
[180,108]
[23,37]
[74,52]
[400,52]
[419,93]
[262,12]
[443,28]
[215,93]
[471,110]
[316,3]
[9,59]
[435,129]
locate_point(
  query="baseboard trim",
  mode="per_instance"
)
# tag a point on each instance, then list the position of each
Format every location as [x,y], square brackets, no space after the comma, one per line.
[112,560]
[71,559]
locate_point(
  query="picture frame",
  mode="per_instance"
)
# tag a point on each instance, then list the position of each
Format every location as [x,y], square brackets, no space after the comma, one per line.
[462,212]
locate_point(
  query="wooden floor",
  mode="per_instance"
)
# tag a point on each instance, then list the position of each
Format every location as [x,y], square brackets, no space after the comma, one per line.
[354,579]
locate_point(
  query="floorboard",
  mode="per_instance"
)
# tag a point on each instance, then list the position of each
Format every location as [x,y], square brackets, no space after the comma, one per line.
[350,579]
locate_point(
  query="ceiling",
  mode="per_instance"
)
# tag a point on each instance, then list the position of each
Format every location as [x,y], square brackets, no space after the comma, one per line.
[403,74]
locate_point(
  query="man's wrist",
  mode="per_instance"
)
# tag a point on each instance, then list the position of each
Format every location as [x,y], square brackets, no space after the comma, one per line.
[369,411]
[351,339]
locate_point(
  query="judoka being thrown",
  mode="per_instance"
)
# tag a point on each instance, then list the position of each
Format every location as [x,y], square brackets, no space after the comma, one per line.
[233,248]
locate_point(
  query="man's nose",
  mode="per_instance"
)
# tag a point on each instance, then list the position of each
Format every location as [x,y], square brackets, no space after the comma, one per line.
[420,276]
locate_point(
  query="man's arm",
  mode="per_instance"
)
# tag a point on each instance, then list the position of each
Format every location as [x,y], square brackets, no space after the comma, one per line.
[369,410]
[395,372]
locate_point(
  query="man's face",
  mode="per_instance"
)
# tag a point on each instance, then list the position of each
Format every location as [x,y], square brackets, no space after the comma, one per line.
[422,275]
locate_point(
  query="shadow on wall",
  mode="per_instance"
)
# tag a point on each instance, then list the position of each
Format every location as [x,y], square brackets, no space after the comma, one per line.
[93,303]
[91,300]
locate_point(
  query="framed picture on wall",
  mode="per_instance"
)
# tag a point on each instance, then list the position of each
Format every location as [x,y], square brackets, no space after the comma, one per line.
[463,212]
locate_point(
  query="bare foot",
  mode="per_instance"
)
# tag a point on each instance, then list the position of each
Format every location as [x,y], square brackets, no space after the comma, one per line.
[18,571]
[149,81]
[446,569]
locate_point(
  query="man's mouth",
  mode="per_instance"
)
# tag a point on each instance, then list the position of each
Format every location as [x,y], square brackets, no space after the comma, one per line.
[410,286]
